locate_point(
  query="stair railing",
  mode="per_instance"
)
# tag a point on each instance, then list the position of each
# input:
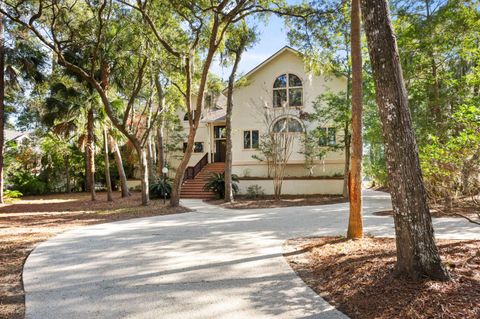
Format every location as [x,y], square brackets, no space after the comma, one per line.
[192,171]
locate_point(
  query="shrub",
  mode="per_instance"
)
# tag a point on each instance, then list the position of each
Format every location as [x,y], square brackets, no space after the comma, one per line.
[216,184]
[160,187]
[28,184]
[255,191]
[11,194]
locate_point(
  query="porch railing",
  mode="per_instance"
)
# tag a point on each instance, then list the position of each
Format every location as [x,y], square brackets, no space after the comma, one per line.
[192,171]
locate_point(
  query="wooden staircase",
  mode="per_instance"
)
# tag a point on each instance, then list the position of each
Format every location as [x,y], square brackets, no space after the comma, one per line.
[193,188]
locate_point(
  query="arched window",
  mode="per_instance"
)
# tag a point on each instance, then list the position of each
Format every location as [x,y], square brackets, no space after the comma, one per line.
[287,125]
[287,91]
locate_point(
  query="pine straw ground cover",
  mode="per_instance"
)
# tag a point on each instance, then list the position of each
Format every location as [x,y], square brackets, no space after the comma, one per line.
[242,202]
[356,277]
[27,222]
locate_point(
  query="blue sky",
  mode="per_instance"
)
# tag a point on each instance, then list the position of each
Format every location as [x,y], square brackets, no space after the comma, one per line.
[272,37]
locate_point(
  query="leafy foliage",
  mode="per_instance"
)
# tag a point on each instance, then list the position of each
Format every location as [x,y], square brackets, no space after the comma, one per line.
[160,188]
[216,184]
[11,194]
[255,191]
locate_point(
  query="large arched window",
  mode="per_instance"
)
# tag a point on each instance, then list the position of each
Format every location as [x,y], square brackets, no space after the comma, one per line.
[287,91]
[287,125]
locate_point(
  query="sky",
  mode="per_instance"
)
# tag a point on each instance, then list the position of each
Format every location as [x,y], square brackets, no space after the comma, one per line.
[272,37]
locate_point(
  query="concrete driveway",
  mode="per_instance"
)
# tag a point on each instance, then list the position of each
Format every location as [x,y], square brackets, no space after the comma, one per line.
[211,263]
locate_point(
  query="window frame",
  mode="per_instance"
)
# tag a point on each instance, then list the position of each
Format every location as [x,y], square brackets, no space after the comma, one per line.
[251,146]
[327,137]
[287,118]
[287,89]
[194,147]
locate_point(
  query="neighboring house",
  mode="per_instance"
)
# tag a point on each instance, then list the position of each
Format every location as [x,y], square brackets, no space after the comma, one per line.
[12,135]
[281,90]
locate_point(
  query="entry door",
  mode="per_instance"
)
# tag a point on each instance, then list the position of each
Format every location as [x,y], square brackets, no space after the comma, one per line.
[221,150]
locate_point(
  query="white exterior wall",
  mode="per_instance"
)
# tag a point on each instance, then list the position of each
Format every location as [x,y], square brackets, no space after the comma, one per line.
[297,187]
[253,100]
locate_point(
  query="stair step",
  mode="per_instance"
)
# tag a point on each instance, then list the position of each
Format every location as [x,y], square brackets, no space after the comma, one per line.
[193,188]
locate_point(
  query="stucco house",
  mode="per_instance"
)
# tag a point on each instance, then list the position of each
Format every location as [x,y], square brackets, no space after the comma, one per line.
[272,98]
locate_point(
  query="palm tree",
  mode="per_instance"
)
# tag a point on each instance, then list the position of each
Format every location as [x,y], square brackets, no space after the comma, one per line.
[21,59]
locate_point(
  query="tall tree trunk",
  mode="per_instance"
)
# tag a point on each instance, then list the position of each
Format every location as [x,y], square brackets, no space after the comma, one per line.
[417,253]
[67,173]
[142,154]
[346,128]
[228,126]
[346,169]
[161,123]
[121,171]
[177,182]
[108,181]
[87,175]
[355,226]
[91,153]
[2,101]
[161,145]
[150,159]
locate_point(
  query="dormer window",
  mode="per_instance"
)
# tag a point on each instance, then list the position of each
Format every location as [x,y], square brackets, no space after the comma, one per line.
[287,91]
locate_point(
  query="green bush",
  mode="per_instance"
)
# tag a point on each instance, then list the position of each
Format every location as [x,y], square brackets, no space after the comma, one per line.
[255,191]
[28,184]
[11,194]
[216,184]
[160,187]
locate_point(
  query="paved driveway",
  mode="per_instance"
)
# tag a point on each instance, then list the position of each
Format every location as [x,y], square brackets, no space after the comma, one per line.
[211,263]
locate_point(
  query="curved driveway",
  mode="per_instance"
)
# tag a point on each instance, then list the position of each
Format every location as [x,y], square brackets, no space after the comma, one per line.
[210,263]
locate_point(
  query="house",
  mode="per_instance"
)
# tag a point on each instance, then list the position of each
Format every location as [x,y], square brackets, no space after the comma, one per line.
[276,95]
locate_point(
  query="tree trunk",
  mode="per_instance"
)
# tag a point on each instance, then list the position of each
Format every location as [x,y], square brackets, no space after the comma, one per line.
[2,102]
[91,153]
[228,126]
[150,159]
[177,182]
[417,253]
[355,225]
[121,171]
[108,181]
[67,173]
[346,169]
[142,154]
[161,123]
[161,146]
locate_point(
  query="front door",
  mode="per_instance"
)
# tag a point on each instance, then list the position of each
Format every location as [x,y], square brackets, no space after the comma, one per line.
[221,150]
[220,143]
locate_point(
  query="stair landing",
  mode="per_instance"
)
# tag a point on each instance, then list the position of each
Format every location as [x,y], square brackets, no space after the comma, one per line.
[193,188]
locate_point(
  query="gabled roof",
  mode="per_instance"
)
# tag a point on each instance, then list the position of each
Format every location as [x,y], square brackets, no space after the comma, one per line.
[268,60]
[11,135]
[272,57]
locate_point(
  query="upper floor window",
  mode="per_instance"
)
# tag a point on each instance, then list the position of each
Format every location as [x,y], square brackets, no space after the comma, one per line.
[287,125]
[187,115]
[287,91]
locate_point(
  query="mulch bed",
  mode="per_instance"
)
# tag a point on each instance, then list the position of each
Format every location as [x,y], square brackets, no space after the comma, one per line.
[285,201]
[27,222]
[356,277]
